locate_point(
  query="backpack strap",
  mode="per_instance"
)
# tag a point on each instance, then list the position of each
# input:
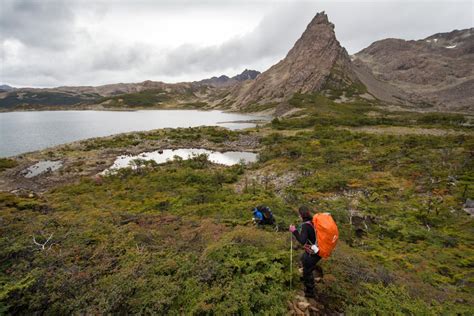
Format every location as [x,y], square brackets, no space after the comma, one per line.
[308,244]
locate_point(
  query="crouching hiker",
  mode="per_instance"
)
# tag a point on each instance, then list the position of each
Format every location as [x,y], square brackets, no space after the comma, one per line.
[319,235]
[262,215]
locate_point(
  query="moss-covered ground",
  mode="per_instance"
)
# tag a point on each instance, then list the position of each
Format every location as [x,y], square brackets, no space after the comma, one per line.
[176,238]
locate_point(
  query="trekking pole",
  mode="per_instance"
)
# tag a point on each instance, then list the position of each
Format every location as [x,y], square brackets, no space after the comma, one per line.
[291,261]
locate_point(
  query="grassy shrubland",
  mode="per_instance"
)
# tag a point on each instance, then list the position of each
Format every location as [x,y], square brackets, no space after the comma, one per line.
[176,238]
[6,163]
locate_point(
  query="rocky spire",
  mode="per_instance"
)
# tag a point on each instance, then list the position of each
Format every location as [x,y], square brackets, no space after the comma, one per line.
[306,67]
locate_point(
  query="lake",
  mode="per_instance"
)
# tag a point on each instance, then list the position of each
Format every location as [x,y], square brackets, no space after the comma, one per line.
[22,132]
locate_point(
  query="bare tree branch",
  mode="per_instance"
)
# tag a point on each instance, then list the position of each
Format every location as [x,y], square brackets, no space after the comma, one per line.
[42,246]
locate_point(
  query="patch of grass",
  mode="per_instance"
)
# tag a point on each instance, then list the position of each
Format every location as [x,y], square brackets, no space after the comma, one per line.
[6,163]
[442,118]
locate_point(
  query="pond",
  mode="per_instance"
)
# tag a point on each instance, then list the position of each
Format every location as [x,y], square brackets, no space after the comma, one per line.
[41,167]
[228,158]
[22,132]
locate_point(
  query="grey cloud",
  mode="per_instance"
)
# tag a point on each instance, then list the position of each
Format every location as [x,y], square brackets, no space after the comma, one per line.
[115,57]
[45,24]
[93,64]
[360,24]
[46,28]
[273,37]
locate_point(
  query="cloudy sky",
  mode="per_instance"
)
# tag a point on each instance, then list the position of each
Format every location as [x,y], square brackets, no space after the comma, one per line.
[47,43]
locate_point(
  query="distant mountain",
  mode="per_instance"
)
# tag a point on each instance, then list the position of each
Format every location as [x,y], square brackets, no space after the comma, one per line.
[144,94]
[147,93]
[246,75]
[437,71]
[6,88]
[224,81]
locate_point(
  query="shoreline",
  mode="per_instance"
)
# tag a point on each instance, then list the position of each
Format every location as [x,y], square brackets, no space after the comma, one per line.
[254,119]
[81,159]
[125,109]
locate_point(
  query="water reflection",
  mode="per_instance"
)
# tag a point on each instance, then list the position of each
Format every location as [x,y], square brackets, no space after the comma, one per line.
[41,167]
[228,158]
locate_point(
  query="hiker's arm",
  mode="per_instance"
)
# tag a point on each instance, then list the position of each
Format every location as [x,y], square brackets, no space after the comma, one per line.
[303,236]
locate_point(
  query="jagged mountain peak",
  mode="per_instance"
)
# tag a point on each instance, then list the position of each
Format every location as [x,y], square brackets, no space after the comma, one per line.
[247,74]
[320,18]
[306,68]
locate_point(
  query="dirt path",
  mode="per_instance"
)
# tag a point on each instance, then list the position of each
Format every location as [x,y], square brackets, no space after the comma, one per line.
[301,305]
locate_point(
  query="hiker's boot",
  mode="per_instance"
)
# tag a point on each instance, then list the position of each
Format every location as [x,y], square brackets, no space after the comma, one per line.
[309,294]
[309,291]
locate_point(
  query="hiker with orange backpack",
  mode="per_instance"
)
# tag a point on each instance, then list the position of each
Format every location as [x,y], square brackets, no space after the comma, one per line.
[318,236]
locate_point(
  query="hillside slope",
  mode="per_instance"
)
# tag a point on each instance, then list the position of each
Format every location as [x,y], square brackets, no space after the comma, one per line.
[177,238]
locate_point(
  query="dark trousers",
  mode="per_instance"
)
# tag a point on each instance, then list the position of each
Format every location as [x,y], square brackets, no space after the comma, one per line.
[309,264]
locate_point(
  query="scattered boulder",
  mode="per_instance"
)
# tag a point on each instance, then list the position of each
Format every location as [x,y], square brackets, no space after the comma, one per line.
[469,207]
[360,222]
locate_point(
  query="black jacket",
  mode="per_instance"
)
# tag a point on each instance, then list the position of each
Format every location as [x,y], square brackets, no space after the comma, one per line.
[307,235]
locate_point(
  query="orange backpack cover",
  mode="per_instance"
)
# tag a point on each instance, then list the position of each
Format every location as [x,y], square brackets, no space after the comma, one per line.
[327,233]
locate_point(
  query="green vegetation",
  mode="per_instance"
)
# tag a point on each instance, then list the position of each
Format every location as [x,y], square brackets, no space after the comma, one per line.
[176,238]
[162,246]
[340,84]
[442,118]
[318,109]
[6,163]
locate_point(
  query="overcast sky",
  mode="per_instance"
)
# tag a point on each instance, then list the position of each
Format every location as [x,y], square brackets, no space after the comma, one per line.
[91,42]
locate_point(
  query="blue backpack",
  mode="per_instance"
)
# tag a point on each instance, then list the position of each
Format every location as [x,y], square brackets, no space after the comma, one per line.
[263,215]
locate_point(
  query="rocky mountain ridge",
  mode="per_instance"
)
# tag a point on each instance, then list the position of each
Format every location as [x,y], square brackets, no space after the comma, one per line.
[437,71]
